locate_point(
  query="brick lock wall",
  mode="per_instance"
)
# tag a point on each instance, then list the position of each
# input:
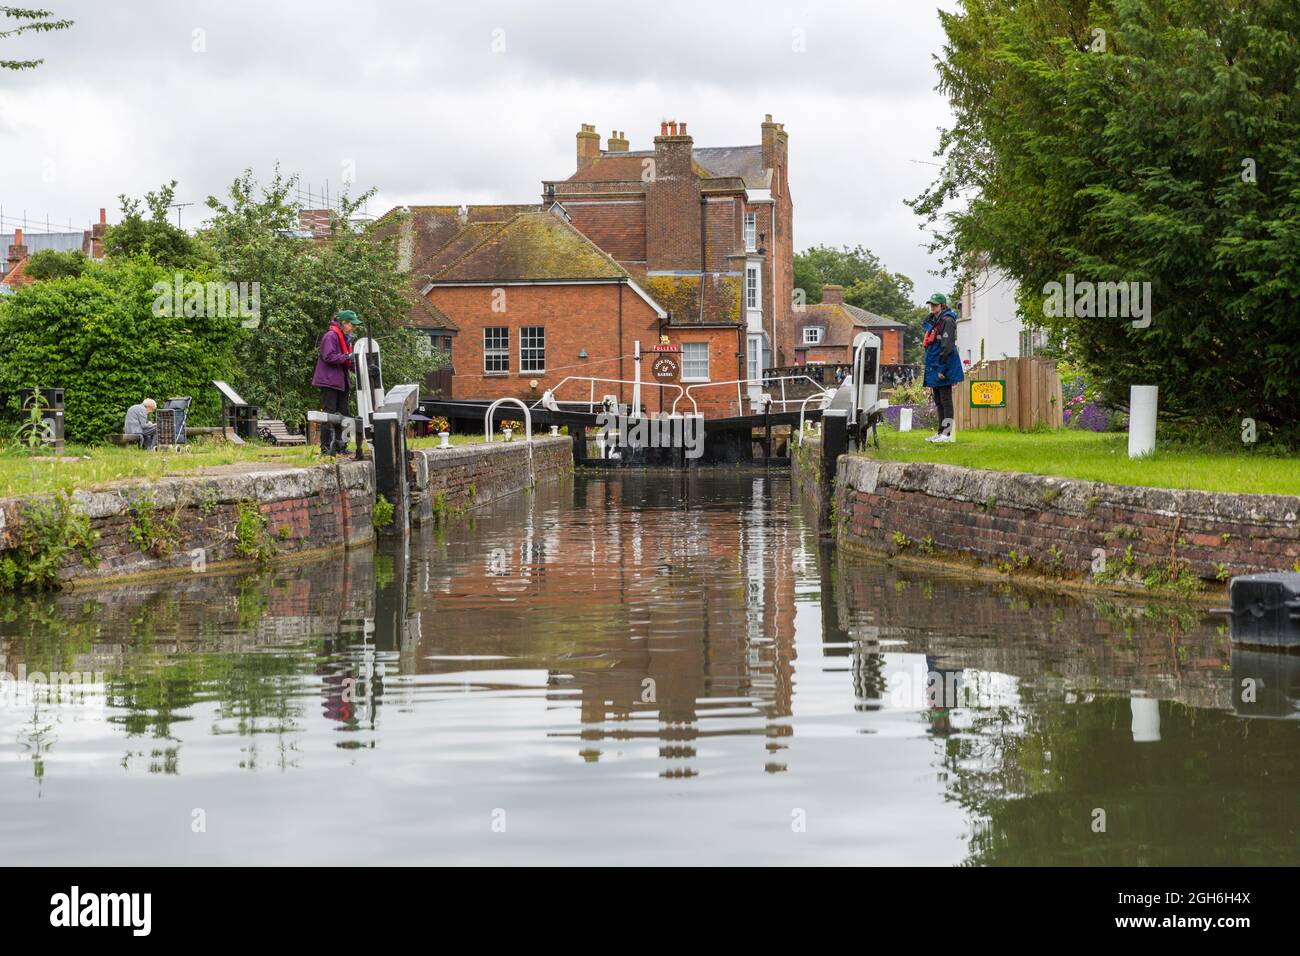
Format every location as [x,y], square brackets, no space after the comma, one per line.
[576,318]
[449,480]
[325,506]
[985,515]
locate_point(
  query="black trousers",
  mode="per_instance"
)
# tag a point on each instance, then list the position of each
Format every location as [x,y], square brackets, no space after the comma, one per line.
[334,401]
[943,401]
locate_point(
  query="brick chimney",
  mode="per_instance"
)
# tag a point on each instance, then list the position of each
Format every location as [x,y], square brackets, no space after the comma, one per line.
[673,202]
[618,141]
[832,295]
[588,145]
[769,142]
[17,252]
[96,243]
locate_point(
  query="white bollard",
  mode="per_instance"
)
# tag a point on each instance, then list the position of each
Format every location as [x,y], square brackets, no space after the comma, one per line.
[1145,726]
[445,438]
[904,419]
[555,431]
[1142,401]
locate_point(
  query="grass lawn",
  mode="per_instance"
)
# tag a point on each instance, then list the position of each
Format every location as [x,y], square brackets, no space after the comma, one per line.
[460,438]
[23,474]
[1099,456]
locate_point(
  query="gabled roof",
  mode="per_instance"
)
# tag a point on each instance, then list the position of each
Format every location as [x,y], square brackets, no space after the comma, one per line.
[869,320]
[531,247]
[17,276]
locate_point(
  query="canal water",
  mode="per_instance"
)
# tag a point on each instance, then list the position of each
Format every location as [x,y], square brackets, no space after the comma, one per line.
[636,669]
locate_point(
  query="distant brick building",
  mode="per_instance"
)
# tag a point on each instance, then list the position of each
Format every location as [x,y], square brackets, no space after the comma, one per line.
[707,231]
[825,331]
[19,249]
[692,244]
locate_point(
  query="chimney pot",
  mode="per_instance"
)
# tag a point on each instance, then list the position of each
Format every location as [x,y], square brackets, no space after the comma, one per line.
[18,237]
[663,127]
[103,216]
[683,129]
[767,118]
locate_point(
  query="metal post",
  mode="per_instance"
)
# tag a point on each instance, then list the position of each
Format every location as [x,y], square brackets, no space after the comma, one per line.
[390,471]
[835,442]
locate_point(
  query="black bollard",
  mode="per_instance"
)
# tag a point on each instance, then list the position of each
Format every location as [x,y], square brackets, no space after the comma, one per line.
[835,442]
[1266,609]
[390,471]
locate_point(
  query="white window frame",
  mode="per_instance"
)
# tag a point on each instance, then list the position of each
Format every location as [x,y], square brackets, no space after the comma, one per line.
[816,335]
[754,357]
[754,288]
[500,349]
[751,231]
[532,356]
[688,347]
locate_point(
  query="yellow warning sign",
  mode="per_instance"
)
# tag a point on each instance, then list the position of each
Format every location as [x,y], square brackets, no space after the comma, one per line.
[989,393]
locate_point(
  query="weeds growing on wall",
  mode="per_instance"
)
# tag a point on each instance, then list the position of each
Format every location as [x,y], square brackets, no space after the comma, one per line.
[53,529]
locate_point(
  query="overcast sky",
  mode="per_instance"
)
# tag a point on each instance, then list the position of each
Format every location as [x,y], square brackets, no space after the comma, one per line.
[471,101]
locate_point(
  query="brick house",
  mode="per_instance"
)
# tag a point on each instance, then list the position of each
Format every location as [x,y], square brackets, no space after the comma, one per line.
[692,244]
[534,301]
[19,249]
[826,331]
[707,231]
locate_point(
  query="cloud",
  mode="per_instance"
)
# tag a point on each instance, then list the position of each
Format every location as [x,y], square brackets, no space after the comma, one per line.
[471,103]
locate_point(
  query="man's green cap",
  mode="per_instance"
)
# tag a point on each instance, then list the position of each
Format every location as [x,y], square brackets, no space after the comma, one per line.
[347,315]
[938,299]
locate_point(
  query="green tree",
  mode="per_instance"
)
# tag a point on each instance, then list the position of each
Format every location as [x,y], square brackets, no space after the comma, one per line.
[99,336]
[145,230]
[1137,141]
[867,284]
[53,264]
[36,21]
[303,284]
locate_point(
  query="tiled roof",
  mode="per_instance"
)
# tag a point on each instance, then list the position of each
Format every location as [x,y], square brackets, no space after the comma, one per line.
[745,162]
[533,246]
[18,276]
[710,162]
[870,320]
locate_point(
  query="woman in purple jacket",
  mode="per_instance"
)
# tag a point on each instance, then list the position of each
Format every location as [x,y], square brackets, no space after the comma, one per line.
[331,377]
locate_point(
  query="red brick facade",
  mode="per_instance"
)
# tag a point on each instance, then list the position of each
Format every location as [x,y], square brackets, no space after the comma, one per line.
[670,222]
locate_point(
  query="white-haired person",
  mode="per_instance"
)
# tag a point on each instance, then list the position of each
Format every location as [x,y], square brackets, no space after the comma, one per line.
[137,423]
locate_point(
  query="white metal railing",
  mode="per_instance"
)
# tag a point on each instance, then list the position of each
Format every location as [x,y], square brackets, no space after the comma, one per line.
[528,428]
[591,380]
[825,397]
[738,382]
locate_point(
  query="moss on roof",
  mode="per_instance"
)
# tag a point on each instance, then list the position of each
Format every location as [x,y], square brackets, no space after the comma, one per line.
[535,246]
[680,295]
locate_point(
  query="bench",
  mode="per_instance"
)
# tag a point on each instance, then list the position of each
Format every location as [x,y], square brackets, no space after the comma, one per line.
[124,440]
[277,432]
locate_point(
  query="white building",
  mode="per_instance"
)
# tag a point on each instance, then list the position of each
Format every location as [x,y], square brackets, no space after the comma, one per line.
[989,324]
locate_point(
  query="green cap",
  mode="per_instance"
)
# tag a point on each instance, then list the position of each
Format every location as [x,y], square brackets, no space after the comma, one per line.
[347,315]
[938,299]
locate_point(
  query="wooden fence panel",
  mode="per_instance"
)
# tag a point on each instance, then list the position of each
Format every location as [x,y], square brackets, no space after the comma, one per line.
[1033,395]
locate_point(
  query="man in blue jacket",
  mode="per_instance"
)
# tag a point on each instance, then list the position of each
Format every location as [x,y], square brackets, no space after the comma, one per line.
[942,364]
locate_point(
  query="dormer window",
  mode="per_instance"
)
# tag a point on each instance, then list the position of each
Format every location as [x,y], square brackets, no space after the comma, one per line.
[812,335]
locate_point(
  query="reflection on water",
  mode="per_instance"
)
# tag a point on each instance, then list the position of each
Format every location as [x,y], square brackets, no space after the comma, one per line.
[636,669]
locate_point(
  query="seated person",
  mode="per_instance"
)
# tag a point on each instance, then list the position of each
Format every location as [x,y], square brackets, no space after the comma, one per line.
[137,423]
